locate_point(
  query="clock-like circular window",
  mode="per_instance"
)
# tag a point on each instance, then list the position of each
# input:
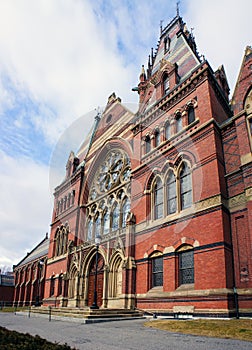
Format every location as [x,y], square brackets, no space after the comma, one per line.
[109,195]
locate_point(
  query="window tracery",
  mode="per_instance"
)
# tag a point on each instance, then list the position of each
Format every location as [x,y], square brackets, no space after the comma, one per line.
[176,193]
[109,196]
[61,238]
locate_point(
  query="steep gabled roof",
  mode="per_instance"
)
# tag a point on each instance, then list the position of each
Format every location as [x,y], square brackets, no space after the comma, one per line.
[176,45]
[244,81]
[39,251]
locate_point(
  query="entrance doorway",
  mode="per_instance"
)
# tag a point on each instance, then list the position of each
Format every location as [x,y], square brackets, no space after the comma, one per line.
[91,280]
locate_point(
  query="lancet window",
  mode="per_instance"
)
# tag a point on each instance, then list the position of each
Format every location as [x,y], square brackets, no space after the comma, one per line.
[175,194]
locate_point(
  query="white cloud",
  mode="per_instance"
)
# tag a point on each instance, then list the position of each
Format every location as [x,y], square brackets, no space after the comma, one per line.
[25,207]
[222,30]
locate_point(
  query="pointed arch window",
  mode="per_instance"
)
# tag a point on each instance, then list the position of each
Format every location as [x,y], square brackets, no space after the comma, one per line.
[115,217]
[90,229]
[125,211]
[250,126]
[166,84]
[147,144]
[185,187]
[98,226]
[61,239]
[64,241]
[157,138]
[52,286]
[171,193]
[167,131]
[106,222]
[60,282]
[179,125]
[158,199]
[191,114]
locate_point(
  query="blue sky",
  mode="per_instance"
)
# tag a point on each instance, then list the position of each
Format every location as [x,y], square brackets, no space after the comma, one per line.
[59,60]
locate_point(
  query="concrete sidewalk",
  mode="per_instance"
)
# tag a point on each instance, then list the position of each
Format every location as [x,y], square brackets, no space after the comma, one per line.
[123,335]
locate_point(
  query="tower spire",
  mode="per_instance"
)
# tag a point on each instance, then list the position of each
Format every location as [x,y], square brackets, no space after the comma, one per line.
[178,2]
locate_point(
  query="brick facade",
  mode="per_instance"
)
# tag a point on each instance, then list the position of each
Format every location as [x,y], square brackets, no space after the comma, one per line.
[167,190]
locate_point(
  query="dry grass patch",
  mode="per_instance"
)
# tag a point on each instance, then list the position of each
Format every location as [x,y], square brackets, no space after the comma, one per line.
[231,329]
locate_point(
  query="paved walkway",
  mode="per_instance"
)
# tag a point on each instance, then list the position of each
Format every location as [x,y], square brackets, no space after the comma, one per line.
[122,335]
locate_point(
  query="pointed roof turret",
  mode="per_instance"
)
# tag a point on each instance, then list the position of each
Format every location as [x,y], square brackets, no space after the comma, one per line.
[176,45]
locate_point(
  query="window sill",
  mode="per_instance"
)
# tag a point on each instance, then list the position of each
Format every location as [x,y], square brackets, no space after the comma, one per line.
[188,286]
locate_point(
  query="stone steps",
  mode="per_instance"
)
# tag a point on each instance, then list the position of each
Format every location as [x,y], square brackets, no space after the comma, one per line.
[88,313]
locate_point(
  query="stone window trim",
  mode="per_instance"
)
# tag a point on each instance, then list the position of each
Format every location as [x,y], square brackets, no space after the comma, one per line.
[65,203]
[157,197]
[156,271]
[52,286]
[109,191]
[182,184]
[165,84]
[185,266]
[107,219]
[61,240]
[167,44]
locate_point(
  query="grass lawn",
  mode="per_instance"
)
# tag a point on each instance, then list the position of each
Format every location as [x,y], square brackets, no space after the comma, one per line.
[231,329]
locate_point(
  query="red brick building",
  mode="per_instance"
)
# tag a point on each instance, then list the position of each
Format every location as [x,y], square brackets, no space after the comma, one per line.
[167,190]
[30,276]
[6,289]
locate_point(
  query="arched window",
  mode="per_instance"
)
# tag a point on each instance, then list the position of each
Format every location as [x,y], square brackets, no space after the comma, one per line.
[98,226]
[90,229]
[157,270]
[167,131]
[125,211]
[57,243]
[179,122]
[190,115]
[186,266]
[61,205]
[167,42]
[58,208]
[52,286]
[69,200]
[166,84]
[158,199]
[147,144]
[61,239]
[115,217]
[72,195]
[157,138]
[106,221]
[60,282]
[185,187]
[64,240]
[250,126]
[171,193]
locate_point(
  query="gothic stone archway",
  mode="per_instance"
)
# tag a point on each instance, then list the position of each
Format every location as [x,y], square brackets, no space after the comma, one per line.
[91,281]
